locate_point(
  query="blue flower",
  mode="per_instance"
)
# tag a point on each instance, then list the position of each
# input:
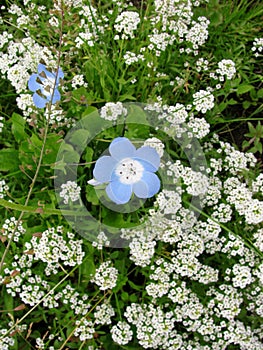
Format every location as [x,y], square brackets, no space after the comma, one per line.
[43,84]
[128,170]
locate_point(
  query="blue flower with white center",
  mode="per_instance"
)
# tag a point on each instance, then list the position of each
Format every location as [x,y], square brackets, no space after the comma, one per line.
[128,170]
[44,84]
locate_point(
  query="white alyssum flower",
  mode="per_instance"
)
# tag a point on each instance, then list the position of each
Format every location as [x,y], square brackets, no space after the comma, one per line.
[112,111]
[103,313]
[242,276]
[84,329]
[78,80]
[12,229]
[226,68]
[3,186]
[121,333]
[126,23]
[155,143]
[105,276]
[203,101]
[55,248]
[257,47]
[70,192]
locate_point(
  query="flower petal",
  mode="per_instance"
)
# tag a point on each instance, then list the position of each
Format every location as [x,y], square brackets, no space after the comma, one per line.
[56,96]
[149,155]
[32,83]
[118,192]
[39,101]
[148,186]
[104,168]
[121,148]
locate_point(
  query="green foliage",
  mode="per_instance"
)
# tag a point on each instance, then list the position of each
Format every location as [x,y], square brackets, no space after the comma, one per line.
[255,135]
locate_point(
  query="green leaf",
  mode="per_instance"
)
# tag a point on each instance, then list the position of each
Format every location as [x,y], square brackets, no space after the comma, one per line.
[18,127]
[79,137]
[9,159]
[260,93]
[242,89]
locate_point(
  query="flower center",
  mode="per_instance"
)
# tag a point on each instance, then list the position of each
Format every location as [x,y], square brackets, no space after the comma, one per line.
[129,171]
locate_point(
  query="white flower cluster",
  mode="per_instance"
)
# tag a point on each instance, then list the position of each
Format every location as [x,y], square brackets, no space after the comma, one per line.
[156,144]
[102,240]
[12,229]
[78,80]
[131,57]
[53,249]
[201,64]
[3,186]
[142,250]
[240,196]
[112,111]
[203,101]
[103,313]
[84,329]
[90,23]
[226,68]
[6,341]
[127,22]
[121,333]
[70,192]
[154,327]
[257,47]
[77,302]
[198,33]
[199,126]
[1,123]
[105,276]
[22,58]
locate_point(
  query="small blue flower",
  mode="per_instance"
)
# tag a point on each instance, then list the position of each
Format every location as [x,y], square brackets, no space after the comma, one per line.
[128,170]
[43,84]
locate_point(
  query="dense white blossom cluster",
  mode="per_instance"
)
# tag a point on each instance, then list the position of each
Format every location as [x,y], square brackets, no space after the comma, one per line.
[70,192]
[12,229]
[112,111]
[203,101]
[126,23]
[52,249]
[105,276]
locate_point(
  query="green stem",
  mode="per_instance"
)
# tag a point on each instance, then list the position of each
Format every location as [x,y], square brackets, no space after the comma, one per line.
[38,210]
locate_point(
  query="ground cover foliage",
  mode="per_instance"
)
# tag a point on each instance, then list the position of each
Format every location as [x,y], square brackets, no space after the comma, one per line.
[177,269]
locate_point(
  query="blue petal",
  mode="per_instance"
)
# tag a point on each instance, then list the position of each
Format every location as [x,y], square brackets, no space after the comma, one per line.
[104,168]
[39,101]
[148,186]
[32,83]
[50,75]
[118,192]
[56,96]
[42,69]
[149,155]
[60,74]
[121,148]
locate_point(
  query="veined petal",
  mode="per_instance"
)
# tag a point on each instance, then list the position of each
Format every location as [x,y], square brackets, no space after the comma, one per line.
[104,168]
[118,192]
[39,101]
[148,186]
[33,85]
[121,148]
[149,155]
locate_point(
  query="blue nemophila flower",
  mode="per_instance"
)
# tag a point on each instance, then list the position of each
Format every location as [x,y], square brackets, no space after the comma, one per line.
[42,84]
[128,170]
